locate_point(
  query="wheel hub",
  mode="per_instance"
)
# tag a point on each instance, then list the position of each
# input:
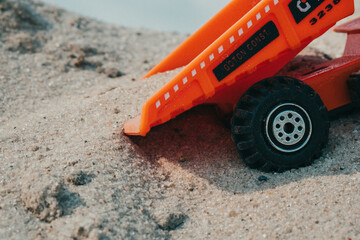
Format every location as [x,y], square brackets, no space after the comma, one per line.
[288,127]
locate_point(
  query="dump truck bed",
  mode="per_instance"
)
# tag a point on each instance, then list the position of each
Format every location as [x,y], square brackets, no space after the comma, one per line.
[255,47]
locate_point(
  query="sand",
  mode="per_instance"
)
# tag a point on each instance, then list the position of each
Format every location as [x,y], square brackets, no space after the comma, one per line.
[68,172]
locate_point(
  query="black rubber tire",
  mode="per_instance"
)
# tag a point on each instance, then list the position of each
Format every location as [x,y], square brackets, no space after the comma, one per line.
[254,121]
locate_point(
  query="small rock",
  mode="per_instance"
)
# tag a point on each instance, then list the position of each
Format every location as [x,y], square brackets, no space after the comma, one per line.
[79,62]
[263,179]
[80,23]
[80,178]
[336,168]
[80,233]
[113,73]
[116,111]
[233,214]
[35,148]
[170,221]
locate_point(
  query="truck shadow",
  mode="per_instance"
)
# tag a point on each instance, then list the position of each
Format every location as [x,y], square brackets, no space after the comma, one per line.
[198,142]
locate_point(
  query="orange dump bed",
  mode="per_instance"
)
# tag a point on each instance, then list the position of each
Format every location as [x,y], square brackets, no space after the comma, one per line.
[246,42]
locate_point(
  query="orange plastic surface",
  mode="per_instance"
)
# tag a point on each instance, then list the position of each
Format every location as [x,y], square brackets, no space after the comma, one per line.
[269,24]
[205,36]
[329,80]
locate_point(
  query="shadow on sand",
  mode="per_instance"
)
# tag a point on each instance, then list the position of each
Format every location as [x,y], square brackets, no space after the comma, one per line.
[198,142]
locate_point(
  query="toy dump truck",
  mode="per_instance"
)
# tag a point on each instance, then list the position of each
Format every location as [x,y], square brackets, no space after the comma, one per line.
[278,123]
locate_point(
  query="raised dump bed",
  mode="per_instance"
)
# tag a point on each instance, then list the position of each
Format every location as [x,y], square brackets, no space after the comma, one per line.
[245,43]
[256,45]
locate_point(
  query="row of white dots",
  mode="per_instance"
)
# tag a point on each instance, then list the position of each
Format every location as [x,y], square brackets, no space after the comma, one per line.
[258,16]
[176,88]
[250,23]
[220,50]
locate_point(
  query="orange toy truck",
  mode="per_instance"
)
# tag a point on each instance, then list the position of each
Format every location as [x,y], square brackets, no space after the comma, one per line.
[278,123]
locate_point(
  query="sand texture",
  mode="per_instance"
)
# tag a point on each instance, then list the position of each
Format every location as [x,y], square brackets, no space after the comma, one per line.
[67,85]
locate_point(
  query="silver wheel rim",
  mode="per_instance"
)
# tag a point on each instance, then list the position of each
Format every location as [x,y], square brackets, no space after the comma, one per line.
[288,128]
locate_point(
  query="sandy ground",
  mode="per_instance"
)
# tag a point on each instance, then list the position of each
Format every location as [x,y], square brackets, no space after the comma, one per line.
[67,171]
